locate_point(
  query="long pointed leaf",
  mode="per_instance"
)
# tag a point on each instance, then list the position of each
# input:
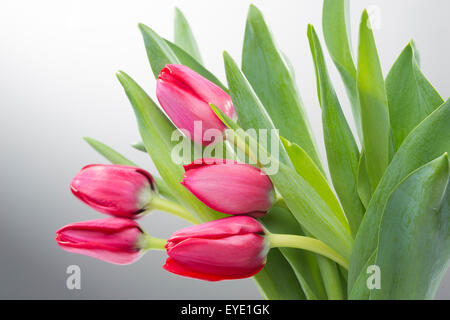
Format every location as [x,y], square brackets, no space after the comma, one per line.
[374,105]
[110,154]
[269,75]
[306,168]
[139,146]
[426,142]
[414,236]
[250,111]
[364,187]
[411,97]
[312,211]
[336,31]
[184,37]
[158,51]
[342,150]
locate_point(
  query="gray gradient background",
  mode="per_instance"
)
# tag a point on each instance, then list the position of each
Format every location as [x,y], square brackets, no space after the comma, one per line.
[57,84]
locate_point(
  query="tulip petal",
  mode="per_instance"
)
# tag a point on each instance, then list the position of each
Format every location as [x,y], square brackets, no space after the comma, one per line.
[221,228]
[122,191]
[203,88]
[112,240]
[182,270]
[185,108]
[230,188]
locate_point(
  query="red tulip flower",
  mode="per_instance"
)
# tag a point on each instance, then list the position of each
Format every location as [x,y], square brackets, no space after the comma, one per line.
[185,97]
[225,249]
[120,191]
[114,240]
[230,187]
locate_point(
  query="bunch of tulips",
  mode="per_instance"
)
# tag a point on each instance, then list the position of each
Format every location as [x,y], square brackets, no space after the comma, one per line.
[234,247]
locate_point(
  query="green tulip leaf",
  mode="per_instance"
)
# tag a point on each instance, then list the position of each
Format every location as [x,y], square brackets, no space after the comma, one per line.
[139,146]
[306,168]
[364,187]
[268,73]
[373,104]
[411,97]
[341,147]
[312,211]
[108,153]
[158,50]
[429,140]
[184,37]
[250,111]
[413,250]
[336,31]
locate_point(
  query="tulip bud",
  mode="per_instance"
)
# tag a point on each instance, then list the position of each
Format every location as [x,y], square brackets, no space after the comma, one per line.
[225,249]
[185,97]
[230,187]
[120,191]
[114,240]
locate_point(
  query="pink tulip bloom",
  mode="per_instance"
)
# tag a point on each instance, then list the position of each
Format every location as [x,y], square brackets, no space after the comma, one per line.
[230,187]
[225,249]
[114,240]
[120,191]
[185,97]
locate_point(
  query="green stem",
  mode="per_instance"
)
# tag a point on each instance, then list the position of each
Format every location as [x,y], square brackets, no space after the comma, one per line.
[331,278]
[310,244]
[158,203]
[147,242]
[334,288]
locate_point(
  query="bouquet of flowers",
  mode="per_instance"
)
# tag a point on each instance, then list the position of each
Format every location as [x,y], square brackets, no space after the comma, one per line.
[239,162]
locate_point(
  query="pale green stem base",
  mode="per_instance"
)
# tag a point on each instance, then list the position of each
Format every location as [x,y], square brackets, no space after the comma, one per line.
[147,242]
[158,203]
[235,140]
[279,201]
[305,243]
